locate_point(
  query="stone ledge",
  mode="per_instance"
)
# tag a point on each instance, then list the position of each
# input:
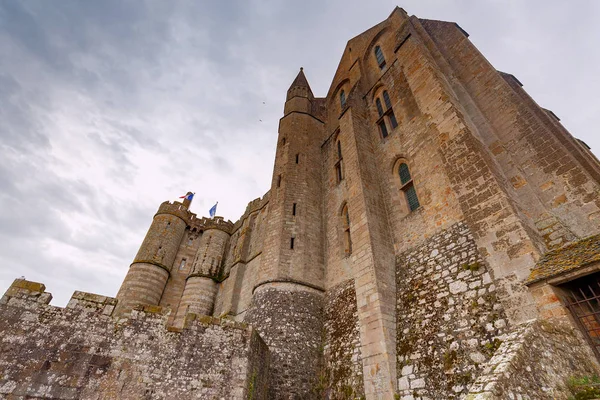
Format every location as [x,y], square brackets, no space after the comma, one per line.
[566,259]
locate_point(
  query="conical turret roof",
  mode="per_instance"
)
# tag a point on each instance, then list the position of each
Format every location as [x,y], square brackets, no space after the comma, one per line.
[300,86]
[300,80]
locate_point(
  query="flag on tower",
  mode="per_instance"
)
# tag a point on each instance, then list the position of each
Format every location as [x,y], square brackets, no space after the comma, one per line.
[213,210]
[188,196]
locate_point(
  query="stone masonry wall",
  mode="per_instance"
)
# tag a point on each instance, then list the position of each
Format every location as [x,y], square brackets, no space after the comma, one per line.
[448,317]
[289,318]
[342,377]
[81,352]
[535,361]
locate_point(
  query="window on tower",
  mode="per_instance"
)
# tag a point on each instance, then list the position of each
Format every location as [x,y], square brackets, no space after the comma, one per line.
[343,99]
[407,186]
[339,165]
[379,56]
[346,230]
[387,118]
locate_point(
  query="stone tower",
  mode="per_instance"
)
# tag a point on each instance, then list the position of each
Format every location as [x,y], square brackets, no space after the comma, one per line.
[151,268]
[201,286]
[288,292]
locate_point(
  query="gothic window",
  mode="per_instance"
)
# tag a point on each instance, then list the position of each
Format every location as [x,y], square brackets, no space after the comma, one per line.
[379,107]
[386,116]
[408,187]
[339,165]
[182,264]
[343,99]
[346,229]
[379,56]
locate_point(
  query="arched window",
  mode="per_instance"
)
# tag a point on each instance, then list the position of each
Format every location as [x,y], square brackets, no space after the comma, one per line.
[387,114]
[339,165]
[379,56]
[346,228]
[408,187]
[379,107]
[343,99]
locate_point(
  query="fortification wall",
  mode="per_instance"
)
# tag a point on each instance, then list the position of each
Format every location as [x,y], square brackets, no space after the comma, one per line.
[80,352]
[449,319]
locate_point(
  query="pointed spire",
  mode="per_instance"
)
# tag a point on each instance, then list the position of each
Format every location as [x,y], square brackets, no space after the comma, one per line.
[300,87]
[300,80]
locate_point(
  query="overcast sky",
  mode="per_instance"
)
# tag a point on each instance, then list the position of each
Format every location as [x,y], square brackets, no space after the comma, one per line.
[108,108]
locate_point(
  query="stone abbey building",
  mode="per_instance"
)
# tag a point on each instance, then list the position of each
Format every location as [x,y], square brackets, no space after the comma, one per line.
[430,233]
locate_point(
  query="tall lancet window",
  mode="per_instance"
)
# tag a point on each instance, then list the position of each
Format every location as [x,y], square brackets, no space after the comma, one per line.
[387,118]
[339,165]
[379,56]
[408,187]
[343,99]
[346,228]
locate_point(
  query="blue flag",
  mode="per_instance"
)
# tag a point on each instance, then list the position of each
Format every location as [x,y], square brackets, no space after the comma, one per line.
[213,210]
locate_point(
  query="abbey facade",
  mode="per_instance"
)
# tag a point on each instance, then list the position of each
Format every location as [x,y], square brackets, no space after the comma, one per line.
[430,233]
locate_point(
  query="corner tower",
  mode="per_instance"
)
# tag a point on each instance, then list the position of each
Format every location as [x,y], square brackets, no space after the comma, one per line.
[148,274]
[287,296]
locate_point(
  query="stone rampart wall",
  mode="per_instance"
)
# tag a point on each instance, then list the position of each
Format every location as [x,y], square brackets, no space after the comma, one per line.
[81,352]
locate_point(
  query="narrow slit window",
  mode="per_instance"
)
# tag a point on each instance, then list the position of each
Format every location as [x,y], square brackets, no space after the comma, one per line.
[292,242]
[182,264]
[379,56]
[297,158]
[294,209]
[343,99]
[346,229]
[339,166]
[278,180]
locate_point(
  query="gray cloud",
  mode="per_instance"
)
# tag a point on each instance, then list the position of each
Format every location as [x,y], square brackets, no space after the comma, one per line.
[109,108]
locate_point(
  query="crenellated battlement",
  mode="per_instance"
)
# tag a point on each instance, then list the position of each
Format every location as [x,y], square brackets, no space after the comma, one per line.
[252,207]
[177,209]
[205,223]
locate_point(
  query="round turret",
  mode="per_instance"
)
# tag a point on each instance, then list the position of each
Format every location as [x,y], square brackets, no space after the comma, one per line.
[150,270]
[201,287]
